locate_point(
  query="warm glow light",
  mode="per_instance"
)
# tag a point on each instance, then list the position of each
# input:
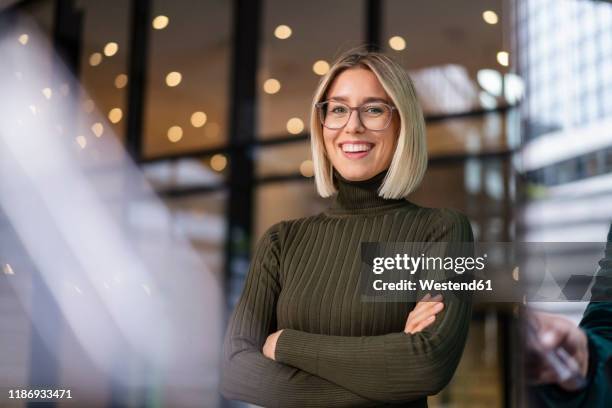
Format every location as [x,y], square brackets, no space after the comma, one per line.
[95,59]
[8,270]
[115,115]
[121,81]
[88,106]
[33,109]
[111,49]
[490,80]
[307,168]
[160,22]
[490,17]
[97,129]
[515,273]
[282,32]
[23,39]
[295,126]
[173,78]
[198,119]
[175,133]
[47,92]
[320,67]
[397,43]
[503,58]
[218,162]
[81,141]
[271,86]
[212,130]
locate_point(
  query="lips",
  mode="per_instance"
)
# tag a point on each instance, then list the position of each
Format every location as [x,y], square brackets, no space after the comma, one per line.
[357,149]
[354,147]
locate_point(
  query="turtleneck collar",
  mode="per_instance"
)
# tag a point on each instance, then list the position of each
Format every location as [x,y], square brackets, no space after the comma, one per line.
[361,196]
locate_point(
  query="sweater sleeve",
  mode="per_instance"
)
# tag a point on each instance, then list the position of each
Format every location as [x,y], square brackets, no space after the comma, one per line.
[393,367]
[247,374]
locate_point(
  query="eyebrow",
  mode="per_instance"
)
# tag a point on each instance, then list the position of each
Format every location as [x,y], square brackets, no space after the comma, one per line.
[366,100]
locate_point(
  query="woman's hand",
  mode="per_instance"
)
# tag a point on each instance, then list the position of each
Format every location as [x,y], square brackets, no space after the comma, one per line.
[423,314]
[270,345]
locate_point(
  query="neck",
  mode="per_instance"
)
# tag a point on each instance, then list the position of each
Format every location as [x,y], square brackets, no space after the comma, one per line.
[361,195]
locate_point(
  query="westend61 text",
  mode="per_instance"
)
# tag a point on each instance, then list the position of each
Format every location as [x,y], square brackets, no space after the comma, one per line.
[432,285]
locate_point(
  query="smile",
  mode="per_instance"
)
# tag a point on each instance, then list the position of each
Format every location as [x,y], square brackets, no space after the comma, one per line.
[356,150]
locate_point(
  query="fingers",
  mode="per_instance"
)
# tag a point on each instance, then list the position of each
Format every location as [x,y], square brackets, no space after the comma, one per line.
[432,308]
[423,324]
[423,314]
[550,338]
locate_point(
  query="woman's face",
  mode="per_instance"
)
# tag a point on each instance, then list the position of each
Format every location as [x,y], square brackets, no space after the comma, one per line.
[355,152]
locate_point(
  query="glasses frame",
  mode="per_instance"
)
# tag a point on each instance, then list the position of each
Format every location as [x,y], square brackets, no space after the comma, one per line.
[319,105]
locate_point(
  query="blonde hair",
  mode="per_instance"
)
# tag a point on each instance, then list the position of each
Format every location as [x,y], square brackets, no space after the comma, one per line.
[410,158]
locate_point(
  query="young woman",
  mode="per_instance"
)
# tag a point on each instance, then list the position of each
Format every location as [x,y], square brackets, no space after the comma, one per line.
[300,335]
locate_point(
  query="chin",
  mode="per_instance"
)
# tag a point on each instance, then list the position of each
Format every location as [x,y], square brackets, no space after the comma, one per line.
[356,174]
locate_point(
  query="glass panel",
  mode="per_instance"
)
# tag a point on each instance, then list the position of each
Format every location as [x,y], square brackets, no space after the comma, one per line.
[104,59]
[277,202]
[188,79]
[444,58]
[468,135]
[315,35]
[291,158]
[204,172]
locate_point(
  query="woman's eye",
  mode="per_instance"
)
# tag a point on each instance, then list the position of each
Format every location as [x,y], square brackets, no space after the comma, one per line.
[374,110]
[338,109]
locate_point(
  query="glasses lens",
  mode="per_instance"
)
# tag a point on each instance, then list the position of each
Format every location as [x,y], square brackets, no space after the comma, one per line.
[334,115]
[375,116]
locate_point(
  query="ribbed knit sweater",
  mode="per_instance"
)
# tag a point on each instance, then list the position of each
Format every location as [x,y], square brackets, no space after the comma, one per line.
[336,350]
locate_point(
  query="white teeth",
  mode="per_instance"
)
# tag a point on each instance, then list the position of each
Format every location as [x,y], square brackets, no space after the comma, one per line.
[355,147]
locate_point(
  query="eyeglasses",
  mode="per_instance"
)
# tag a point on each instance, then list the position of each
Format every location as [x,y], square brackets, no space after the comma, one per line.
[373,116]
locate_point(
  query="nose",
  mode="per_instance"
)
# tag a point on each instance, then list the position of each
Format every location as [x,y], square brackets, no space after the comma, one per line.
[354,124]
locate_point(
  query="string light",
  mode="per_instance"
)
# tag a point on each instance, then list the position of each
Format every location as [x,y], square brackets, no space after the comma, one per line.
[212,130]
[271,86]
[307,168]
[47,92]
[23,39]
[121,81]
[490,17]
[81,141]
[160,22]
[282,32]
[97,129]
[173,78]
[295,126]
[198,119]
[503,58]
[175,133]
[397,43]
[218,162]
[320,67]
[111,49]
[115,115]
[95,59]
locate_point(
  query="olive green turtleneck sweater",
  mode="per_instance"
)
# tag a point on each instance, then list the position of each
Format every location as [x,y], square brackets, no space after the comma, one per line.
[336,350]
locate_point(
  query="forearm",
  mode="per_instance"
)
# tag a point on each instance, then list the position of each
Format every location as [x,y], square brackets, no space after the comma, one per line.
[249,376]
[393,367]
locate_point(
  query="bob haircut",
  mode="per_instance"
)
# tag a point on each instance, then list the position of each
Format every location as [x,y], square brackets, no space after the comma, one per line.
[409,161]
